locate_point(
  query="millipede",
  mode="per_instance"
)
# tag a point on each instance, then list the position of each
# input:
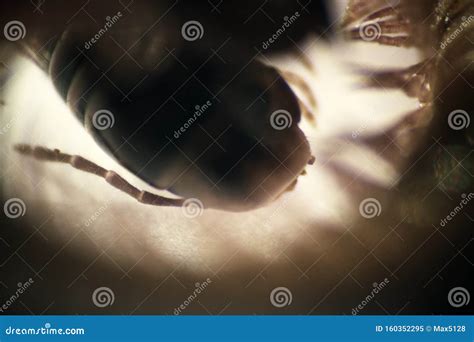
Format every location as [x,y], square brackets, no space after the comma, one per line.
[169,70]
[443,82]
[238,152]
[139,75]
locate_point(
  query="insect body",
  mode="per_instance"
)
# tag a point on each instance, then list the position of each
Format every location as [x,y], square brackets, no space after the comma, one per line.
[202,120]
[443,30]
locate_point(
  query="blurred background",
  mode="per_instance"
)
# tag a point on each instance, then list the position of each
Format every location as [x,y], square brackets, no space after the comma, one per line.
[362,233]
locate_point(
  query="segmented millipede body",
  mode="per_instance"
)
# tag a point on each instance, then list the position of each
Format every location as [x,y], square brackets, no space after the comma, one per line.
[443,82]
[193,112]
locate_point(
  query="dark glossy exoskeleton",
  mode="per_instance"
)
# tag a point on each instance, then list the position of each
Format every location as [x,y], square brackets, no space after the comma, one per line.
[191,112]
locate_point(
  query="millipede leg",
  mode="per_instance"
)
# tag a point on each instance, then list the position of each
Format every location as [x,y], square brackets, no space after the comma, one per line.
[414,80]
[358,9]
[386,25]
[80,163]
